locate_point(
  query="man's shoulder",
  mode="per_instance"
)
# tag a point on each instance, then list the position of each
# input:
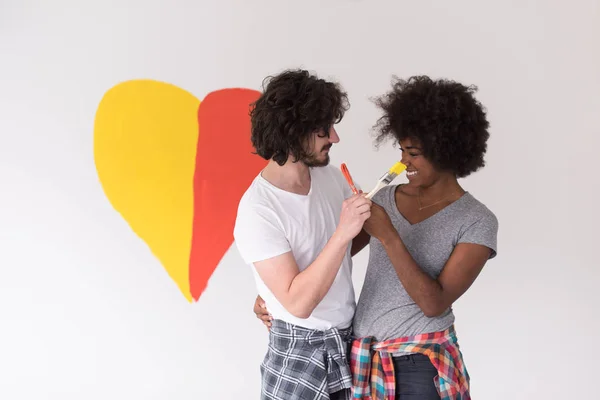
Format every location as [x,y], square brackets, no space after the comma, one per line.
[262,201]
[256,209]
[256,194]
[255,199]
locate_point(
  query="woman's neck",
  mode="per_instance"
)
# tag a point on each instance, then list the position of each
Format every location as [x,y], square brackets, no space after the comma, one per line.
[445,186]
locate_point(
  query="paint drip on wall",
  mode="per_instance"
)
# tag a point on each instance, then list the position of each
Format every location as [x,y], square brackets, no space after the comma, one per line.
[175,168]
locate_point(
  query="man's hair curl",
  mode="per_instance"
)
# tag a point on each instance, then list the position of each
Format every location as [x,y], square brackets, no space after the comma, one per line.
[293,106]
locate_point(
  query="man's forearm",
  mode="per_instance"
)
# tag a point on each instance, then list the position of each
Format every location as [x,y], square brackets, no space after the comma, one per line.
[310,286]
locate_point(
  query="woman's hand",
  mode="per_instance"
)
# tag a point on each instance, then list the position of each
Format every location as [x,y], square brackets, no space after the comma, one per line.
[379,225]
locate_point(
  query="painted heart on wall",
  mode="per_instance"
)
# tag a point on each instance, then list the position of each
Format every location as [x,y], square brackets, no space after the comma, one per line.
[175,168]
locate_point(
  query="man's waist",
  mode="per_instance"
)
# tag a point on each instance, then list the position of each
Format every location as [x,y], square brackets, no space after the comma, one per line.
[288,338]
[337,314]
[297,332]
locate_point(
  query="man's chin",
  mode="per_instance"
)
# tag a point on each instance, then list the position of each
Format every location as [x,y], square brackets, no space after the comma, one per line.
[318,163]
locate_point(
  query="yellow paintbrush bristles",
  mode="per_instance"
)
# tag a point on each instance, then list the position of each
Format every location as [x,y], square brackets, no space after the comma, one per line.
[397,168]
[387,178]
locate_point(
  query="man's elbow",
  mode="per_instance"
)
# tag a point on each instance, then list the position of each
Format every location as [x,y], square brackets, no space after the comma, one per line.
[300,311]
[296,305]
[301,314]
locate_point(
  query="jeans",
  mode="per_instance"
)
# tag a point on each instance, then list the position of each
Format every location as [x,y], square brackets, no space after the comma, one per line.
[337,396]
[414,378]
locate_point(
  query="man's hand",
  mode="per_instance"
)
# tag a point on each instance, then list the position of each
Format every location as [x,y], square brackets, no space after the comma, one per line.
[260,309]
[355,211]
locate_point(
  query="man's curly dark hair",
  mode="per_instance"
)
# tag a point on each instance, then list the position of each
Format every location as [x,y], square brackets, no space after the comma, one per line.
[442,115]
[293,106]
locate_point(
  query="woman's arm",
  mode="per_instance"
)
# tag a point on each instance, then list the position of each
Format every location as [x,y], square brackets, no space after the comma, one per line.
[359,242]
[433,296]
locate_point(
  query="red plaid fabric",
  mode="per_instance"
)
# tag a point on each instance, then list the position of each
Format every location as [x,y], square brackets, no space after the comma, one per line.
[373,368]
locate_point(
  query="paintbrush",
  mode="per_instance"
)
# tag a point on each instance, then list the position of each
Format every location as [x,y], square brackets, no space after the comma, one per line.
[348,177]
[387,178]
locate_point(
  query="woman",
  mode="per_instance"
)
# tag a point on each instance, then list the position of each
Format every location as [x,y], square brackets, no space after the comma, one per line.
[430,239]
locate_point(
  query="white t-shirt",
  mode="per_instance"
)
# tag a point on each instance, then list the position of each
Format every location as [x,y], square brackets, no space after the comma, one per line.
[271,221]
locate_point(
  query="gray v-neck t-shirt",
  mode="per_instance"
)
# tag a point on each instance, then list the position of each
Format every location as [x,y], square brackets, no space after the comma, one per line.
[384,309]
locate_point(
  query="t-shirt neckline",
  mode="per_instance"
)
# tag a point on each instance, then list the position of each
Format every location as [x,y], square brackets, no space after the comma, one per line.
[273,187]
[392,199]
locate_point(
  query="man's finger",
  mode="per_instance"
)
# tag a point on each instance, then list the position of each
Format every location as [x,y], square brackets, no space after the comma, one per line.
[363,200]
[354,198]
[358,207]
[261,315]
[363,208]
[266,317]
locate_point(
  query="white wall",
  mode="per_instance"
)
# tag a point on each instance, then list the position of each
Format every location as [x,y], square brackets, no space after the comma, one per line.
[86,312]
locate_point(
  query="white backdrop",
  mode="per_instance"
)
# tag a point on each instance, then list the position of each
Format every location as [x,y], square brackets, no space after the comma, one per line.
[86,312]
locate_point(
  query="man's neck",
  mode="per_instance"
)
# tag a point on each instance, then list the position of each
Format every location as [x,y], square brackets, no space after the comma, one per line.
[291,177]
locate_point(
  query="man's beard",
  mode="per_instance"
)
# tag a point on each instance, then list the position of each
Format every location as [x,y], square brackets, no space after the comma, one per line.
[312,160]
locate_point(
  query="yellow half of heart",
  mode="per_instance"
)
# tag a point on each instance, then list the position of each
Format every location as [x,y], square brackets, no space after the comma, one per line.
[145,138]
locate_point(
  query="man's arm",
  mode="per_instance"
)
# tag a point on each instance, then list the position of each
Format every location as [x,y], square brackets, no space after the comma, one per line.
[301,292]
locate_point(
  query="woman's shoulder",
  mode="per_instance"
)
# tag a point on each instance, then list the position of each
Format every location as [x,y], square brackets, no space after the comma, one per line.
[475,209]
[385,196]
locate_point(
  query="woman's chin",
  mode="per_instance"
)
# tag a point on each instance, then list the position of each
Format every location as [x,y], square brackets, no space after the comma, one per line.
[413,183]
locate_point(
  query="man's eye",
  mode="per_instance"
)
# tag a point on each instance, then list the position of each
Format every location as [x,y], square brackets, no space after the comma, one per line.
[413,155]
[324,133]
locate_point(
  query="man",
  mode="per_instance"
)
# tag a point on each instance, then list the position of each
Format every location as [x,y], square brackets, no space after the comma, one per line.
[295,227]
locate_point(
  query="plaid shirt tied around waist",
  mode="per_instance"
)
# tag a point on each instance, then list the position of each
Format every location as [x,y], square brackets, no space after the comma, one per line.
[373,368]
[304,363]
